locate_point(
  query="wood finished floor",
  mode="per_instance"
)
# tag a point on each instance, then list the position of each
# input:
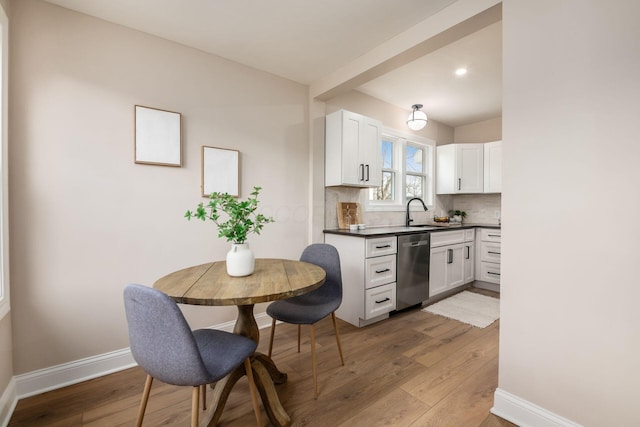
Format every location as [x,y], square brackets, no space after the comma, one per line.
[415,369]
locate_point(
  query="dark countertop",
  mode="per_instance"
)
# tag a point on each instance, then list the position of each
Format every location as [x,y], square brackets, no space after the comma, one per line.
[400,229]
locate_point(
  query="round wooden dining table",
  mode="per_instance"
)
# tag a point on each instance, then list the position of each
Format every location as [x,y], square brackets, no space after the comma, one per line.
[273,279]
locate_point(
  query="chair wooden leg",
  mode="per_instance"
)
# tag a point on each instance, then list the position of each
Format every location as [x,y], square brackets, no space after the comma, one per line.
[299,327]
[313,361]
[335,328]
[273,332]
[253,390]
[145,399]
[195,402]
[203,393]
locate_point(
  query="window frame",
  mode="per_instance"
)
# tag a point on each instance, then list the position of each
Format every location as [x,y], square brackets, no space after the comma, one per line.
[400,141]
[5,301]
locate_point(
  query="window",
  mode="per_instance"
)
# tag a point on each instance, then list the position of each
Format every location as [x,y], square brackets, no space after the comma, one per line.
[389,172]
[4,227]
[415,175]
[407,171]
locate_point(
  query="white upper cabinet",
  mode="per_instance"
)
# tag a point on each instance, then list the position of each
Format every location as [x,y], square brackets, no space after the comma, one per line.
[460,168]
[493,167]
[352,150]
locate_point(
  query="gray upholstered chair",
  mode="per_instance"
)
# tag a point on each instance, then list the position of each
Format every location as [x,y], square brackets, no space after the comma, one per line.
[164,346]
[309,308]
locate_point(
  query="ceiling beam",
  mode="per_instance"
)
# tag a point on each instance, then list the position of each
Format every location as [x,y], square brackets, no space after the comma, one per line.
[462,18]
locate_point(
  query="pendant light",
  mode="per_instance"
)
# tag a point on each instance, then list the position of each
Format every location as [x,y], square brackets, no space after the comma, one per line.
[417,119]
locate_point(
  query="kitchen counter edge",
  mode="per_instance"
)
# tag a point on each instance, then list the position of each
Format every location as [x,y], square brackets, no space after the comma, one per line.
[400,230]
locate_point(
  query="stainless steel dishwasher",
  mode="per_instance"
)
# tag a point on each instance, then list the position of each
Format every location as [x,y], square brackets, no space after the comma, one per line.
[412,280]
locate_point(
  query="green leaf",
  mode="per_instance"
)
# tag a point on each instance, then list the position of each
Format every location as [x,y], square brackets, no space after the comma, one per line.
[242,218]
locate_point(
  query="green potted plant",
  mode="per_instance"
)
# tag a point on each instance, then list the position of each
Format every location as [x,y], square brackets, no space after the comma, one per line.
[241,220]
[457,215]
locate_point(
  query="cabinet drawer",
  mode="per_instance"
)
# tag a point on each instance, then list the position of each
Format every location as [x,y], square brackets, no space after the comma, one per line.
[469,235]
[381,246]
[490,272]
[490,251]
[490,235]
[379,271]
[379,300]
[443,238]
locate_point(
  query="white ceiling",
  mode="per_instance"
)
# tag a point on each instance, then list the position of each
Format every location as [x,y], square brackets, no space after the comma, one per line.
[304,40]
[447,98]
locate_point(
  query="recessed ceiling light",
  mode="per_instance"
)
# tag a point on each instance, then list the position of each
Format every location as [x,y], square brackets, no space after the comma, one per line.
[461,71]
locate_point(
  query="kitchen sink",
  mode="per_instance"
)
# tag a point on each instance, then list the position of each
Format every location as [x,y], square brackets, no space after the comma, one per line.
[436,224]
[418,227]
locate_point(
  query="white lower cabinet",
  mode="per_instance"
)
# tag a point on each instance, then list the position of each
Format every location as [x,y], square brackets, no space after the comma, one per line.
[368,277]
[451,260]
[469,262]
[489,253]
[379,271]
[379,300]
[489,272]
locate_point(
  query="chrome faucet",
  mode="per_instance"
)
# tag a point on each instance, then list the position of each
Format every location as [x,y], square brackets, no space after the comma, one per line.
[409,220]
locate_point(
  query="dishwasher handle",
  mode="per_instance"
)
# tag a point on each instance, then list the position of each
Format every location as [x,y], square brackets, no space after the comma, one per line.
[415,244]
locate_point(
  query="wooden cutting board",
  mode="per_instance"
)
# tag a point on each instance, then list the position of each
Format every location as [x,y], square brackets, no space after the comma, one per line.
[353,210]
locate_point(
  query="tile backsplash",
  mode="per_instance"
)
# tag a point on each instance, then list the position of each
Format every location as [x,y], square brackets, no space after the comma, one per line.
[480,208]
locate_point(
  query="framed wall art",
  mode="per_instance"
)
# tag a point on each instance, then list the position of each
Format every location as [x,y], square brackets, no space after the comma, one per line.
[220,171]
[158,136]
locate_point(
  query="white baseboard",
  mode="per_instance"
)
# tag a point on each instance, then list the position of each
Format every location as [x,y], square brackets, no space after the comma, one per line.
[8,402]
[55,377]
[59,376]
[524,413]
[486,285]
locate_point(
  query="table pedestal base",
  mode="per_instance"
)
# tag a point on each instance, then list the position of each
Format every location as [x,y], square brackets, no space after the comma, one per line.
[265,375]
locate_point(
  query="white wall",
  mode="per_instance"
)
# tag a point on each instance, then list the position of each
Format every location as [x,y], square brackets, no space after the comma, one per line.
[484,131]
[86,220]
[569,328]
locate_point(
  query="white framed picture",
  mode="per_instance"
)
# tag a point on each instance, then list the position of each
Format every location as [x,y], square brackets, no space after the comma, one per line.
[220,171]
[158,136]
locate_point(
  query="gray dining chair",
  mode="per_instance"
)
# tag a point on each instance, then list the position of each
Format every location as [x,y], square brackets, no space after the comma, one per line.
[310,308]
[166,348]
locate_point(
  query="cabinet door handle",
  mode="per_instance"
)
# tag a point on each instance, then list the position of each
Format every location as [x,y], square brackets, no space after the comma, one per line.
[383,271]
[383,246]
[459,183]
[493,235]
[449,256]
[361,171]
[468,252]
[495,253]
[491,272]
[367,166]
[383,300]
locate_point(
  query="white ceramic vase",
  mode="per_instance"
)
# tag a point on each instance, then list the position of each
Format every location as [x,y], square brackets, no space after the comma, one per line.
[240,260]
